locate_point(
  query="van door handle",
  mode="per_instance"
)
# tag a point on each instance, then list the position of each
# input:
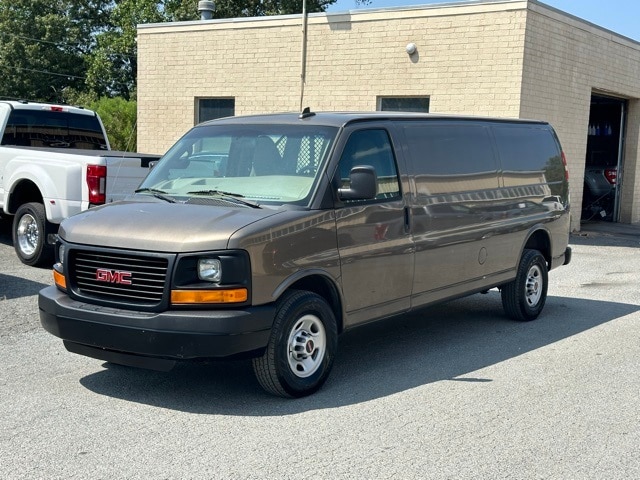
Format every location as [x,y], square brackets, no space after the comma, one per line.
[407,221]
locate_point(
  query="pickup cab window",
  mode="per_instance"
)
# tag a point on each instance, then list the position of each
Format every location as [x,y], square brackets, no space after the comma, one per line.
[44,128]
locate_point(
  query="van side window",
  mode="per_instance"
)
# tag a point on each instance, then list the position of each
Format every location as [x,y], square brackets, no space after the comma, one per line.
[454,149]
[528,148]
[371,147]
[447,156]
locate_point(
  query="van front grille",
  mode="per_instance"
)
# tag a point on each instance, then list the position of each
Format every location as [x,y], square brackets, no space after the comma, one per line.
[118,277]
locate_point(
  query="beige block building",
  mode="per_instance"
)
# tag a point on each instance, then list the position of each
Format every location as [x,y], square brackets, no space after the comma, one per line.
[509,58]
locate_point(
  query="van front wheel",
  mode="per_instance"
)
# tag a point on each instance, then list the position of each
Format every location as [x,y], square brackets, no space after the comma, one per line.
[302,346]
[524,298]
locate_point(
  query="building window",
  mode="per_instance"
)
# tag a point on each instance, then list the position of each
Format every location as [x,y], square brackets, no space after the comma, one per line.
[404,104]
[212,108]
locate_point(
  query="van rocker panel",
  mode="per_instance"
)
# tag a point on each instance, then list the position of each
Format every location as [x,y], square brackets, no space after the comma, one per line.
[176,334]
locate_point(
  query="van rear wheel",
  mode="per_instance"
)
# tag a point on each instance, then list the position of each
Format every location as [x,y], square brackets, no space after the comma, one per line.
[302,346]
[524,297]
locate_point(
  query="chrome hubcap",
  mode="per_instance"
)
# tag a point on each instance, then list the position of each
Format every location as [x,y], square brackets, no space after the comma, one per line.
[534,286]
[306,346]
[28,235]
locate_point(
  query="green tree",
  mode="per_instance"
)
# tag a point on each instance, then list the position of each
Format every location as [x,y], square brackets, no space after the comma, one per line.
[43,45]
[256,8]
[178,10]
[119,118]
[112,65]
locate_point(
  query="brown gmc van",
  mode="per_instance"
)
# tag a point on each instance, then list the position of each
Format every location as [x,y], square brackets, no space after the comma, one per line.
[270,235]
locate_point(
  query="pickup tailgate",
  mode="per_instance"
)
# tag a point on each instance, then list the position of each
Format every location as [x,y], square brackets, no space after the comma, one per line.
[125,172]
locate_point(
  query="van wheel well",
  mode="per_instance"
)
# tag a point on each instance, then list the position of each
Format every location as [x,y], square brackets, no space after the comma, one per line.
[24,192]
[327,290]
[541,242]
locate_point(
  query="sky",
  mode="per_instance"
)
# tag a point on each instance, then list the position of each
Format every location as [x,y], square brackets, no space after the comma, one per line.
[621,16]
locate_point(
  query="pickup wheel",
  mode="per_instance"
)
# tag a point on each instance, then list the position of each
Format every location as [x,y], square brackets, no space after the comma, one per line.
[30,228]
[302,346]
[524,298]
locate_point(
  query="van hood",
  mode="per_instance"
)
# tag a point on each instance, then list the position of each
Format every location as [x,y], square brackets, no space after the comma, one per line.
[160,227]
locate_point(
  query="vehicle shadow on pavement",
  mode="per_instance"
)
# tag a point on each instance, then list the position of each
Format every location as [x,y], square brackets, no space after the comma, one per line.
[18,287]
[437,344]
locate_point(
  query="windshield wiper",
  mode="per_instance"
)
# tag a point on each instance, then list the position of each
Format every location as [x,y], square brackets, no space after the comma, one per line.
[230,196]
[161,194]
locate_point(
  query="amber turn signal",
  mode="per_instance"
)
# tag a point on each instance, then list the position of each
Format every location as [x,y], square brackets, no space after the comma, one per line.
[59,280]
[237,295]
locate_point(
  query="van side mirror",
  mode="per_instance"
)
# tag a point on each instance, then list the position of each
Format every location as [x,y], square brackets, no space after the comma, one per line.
[363,184]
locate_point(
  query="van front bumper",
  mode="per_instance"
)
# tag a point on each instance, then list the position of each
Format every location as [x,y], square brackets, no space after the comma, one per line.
[153,340]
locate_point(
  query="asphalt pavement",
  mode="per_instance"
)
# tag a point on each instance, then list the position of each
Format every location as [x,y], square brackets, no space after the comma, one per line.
[455,391]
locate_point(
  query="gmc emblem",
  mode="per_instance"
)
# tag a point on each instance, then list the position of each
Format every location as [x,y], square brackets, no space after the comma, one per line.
[113,276]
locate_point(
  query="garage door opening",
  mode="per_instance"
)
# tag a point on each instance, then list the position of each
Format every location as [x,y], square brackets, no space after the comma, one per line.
[603,165]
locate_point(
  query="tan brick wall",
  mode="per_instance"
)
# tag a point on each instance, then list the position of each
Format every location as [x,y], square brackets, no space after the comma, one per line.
[178,65]
[565,61]
[630,196]
[469,60]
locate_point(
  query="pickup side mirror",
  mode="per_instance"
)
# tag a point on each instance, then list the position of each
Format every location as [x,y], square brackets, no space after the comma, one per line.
[363,184]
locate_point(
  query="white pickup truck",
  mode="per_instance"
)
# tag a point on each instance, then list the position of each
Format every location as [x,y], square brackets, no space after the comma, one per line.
[55,161]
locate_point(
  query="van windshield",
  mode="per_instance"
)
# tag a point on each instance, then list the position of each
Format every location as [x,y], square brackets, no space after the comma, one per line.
[266,164]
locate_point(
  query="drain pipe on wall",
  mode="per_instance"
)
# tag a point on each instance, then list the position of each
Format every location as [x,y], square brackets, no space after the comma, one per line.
[303,61]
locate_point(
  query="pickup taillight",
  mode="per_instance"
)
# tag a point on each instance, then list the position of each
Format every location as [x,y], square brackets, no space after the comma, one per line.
[611,174]
[564,164]
[97,183]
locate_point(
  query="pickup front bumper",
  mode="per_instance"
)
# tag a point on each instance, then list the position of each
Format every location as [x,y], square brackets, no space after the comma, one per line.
[153,340]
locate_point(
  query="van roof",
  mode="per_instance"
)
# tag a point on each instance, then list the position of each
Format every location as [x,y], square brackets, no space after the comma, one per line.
[26,105]
[339,119]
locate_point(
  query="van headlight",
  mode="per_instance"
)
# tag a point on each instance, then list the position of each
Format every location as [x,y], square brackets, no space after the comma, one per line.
[210,270]
[214,277]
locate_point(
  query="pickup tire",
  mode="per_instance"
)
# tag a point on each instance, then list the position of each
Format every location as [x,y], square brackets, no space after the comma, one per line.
[524,297]
[302,346]
[30,229]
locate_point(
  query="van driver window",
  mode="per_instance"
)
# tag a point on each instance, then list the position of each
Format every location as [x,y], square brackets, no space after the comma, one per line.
[371,147]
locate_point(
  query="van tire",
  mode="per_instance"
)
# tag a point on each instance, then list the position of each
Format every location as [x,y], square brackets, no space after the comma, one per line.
[30,230]
[301,348]
[523,299]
